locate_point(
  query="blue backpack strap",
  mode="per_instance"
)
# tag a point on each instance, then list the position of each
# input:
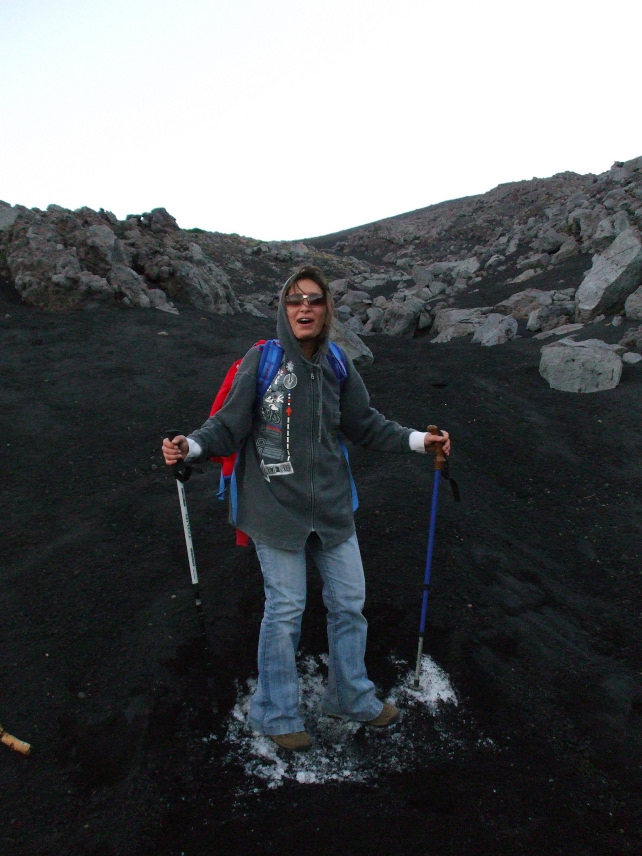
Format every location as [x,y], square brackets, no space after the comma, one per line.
[337,360]
[269,364]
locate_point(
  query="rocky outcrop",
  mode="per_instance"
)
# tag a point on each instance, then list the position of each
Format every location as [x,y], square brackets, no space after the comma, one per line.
[403,276]
[60,261]
[588,366]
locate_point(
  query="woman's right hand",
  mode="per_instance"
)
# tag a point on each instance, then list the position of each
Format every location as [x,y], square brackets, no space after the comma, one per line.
[175,450]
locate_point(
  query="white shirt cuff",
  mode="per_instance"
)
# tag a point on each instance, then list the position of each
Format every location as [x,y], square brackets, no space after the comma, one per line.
[416,441]
[194,450]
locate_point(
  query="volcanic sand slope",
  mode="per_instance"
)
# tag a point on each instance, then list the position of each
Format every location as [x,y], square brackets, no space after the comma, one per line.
[534,611]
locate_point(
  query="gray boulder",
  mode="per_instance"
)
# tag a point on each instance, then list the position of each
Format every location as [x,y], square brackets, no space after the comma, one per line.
[357,302]
[338,288]
[131,289]
[632,339]
[633,305]
[203,284]
[523,303]
[8,215]
[423,276]
[359,353]
[374,281]
[425,320]
[453,323]
[604,234]
[529,273]
[589,366]
[401,318]
[549,317]
[549,241]
[375,316]
[495,330]
[615,274]
[569,248]
[354,324]
[466,268]
[620,222]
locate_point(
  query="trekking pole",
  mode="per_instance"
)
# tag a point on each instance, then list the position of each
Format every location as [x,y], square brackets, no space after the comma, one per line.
[440,462]
[182,472]
[13,742]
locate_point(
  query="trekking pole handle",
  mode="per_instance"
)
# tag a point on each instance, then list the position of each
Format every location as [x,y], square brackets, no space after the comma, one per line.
[182,471]
[437,448]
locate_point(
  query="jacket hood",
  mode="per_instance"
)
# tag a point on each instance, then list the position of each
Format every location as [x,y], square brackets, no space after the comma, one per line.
[286,336]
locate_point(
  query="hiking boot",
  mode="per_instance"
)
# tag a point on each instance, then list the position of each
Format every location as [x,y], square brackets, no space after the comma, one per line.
[388,715]
[297,741]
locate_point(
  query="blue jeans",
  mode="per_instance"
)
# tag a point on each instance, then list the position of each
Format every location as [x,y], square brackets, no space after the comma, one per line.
[274,708]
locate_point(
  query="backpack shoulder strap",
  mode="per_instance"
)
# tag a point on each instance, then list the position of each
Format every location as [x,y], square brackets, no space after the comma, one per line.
[271,357]
[337,360]
[221,395]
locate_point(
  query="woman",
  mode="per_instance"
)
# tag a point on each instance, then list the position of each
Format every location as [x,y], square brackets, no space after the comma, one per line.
[294,491]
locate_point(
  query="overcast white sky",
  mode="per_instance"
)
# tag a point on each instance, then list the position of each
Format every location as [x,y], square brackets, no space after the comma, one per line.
[284,119]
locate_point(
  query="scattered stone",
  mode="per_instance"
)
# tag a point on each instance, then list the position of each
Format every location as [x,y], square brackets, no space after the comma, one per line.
[631,358]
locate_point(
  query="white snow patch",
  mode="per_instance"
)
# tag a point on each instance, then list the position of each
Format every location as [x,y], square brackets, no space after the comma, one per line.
[343,750]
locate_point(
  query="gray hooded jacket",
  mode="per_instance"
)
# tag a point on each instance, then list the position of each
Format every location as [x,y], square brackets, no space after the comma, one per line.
[292,477]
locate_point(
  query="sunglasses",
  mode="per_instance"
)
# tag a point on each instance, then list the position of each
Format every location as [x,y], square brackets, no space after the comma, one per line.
[297,299]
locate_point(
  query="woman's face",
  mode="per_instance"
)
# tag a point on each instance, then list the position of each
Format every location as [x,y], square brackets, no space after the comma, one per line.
[307,321]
